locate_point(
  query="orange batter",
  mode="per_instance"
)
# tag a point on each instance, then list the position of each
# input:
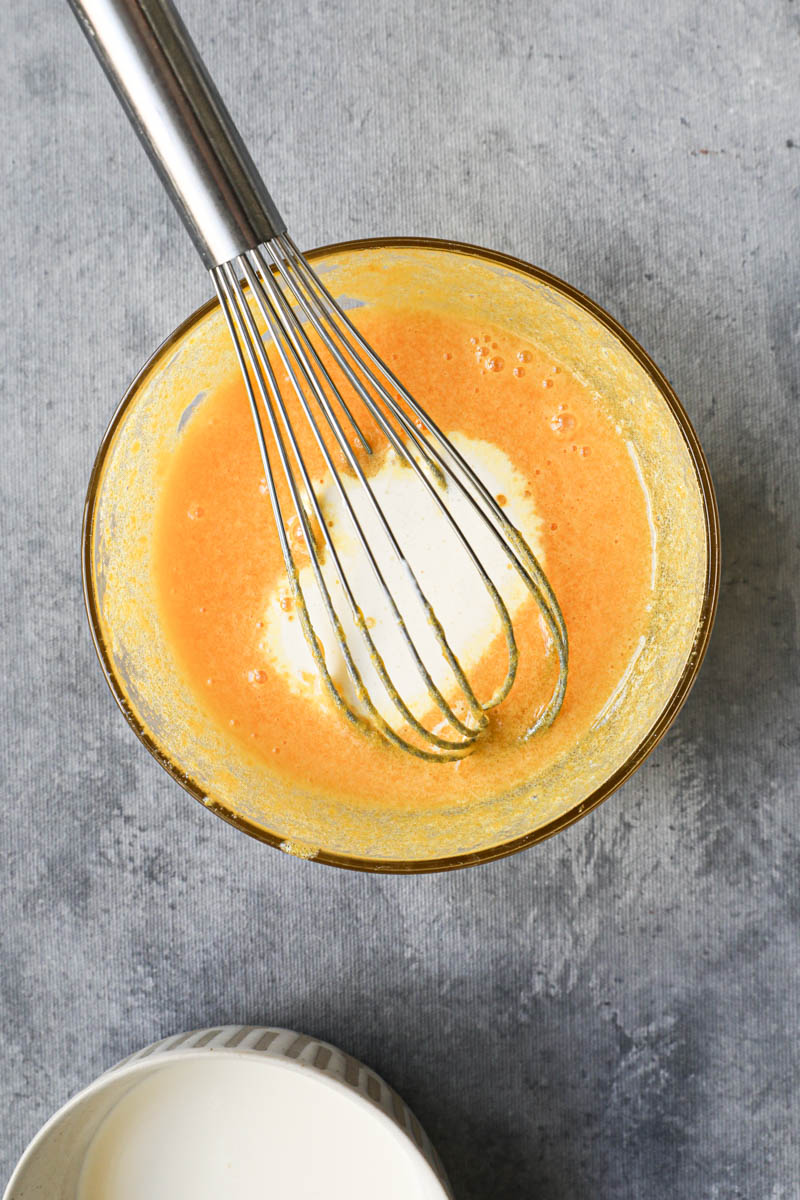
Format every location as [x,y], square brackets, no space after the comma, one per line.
[217,556]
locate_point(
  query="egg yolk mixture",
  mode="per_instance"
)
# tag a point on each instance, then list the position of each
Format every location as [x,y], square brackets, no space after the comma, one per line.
[558,465]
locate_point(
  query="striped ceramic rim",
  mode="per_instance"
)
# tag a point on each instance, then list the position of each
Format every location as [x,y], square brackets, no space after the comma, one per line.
[293,1048]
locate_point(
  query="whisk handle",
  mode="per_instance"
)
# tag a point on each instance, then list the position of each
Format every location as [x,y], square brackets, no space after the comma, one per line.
[159,77]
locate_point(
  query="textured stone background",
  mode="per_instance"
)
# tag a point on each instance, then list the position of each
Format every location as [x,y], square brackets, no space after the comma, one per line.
[615,1013]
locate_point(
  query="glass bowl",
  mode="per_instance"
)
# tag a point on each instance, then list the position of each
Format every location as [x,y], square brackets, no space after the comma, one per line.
[120,600]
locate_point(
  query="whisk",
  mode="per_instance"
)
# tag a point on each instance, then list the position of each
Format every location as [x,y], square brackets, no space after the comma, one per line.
[415,692]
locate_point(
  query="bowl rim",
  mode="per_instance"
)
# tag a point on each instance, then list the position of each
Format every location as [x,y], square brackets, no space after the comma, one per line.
[657,729]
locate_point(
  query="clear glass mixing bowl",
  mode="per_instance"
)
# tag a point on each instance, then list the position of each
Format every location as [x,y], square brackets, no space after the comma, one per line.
[120,599]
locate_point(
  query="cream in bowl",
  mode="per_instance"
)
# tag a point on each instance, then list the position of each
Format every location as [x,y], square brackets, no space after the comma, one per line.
[239,1112]
[579,439]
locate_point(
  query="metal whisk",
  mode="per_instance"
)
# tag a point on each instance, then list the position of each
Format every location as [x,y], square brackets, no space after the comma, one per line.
[282,319]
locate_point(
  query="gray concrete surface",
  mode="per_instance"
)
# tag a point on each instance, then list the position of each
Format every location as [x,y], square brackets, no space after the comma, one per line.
[615,1013]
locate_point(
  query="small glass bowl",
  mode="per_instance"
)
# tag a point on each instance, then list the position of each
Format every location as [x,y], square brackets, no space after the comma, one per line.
[482,285]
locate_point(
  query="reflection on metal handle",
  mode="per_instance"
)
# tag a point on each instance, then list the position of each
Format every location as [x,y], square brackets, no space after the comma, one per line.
[156,71]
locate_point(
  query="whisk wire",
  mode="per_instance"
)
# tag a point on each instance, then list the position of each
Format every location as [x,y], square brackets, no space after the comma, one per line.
[238,339]
[334,310]
[245,331]
[230,299]
[476,709]
[433,691]
[260,279]
[286,290]
[284,251]
[400,449]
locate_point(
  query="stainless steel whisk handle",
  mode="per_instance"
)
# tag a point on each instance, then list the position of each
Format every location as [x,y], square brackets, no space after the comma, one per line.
[158,75]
